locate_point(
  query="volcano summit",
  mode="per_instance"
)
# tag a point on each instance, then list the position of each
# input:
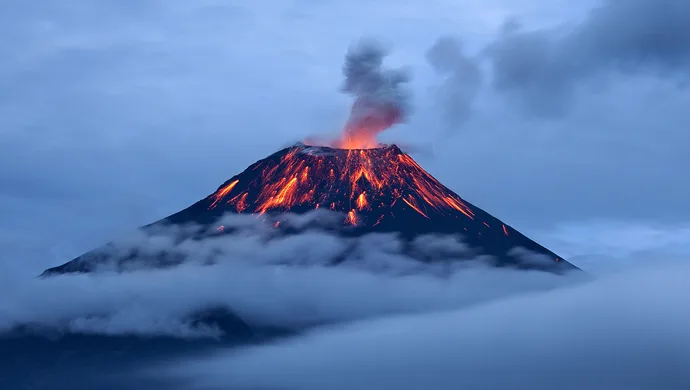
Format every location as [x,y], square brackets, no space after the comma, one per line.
[377,190]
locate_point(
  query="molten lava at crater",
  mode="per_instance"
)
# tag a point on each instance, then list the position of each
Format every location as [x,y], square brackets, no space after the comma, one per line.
[367,121]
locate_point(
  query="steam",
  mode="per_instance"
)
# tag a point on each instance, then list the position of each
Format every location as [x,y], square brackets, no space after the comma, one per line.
[381,100]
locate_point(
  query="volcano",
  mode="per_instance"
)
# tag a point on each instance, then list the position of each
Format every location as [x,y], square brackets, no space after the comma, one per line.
[376,190]
[367,189]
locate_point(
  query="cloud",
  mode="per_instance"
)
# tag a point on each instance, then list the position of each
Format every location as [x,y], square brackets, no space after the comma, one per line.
[615,246]
[462,79]
[310,239]
[543,68]
[621,332]
[289,282]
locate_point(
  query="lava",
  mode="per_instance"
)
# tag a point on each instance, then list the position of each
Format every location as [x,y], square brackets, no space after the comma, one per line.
[284,196]
[364,184]
[351,218]
[218,196]
[362,201]
[240,204]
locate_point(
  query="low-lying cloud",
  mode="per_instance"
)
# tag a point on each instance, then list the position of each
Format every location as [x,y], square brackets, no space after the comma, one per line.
[312,240]
[292,282]
[629,331]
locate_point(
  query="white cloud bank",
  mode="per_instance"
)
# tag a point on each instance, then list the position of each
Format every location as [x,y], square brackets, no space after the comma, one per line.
[628,331]
[282,282]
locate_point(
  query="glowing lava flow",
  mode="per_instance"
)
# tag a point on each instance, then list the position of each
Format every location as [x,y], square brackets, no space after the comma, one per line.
[362,201]
[219,195]
[356,182]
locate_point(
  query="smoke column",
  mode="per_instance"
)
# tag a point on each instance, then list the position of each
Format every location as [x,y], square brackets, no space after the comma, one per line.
[381,100]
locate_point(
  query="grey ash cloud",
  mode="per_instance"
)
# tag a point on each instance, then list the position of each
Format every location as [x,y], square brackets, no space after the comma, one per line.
[542,68]
[380,93]
[461,75]
[367,78]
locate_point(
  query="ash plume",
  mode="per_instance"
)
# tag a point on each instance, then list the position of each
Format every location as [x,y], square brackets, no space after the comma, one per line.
[462,79]
[542,69]
[380,97]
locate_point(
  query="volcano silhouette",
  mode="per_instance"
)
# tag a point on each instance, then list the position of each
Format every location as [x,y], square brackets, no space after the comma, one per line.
[379,190]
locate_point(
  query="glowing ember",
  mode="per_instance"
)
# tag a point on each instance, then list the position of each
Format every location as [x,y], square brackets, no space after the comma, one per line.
[505,231]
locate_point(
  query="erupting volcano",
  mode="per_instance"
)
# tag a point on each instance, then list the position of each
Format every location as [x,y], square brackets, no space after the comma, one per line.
[374,188]
[381,100]
[377,190]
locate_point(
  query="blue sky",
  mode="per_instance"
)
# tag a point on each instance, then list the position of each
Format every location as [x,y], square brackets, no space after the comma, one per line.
[113,116]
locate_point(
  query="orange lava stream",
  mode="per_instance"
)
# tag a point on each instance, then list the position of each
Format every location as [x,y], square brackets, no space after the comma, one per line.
[351,218]
[345,180]
[285,196]
[362,201]
[218,196]
[411,204]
